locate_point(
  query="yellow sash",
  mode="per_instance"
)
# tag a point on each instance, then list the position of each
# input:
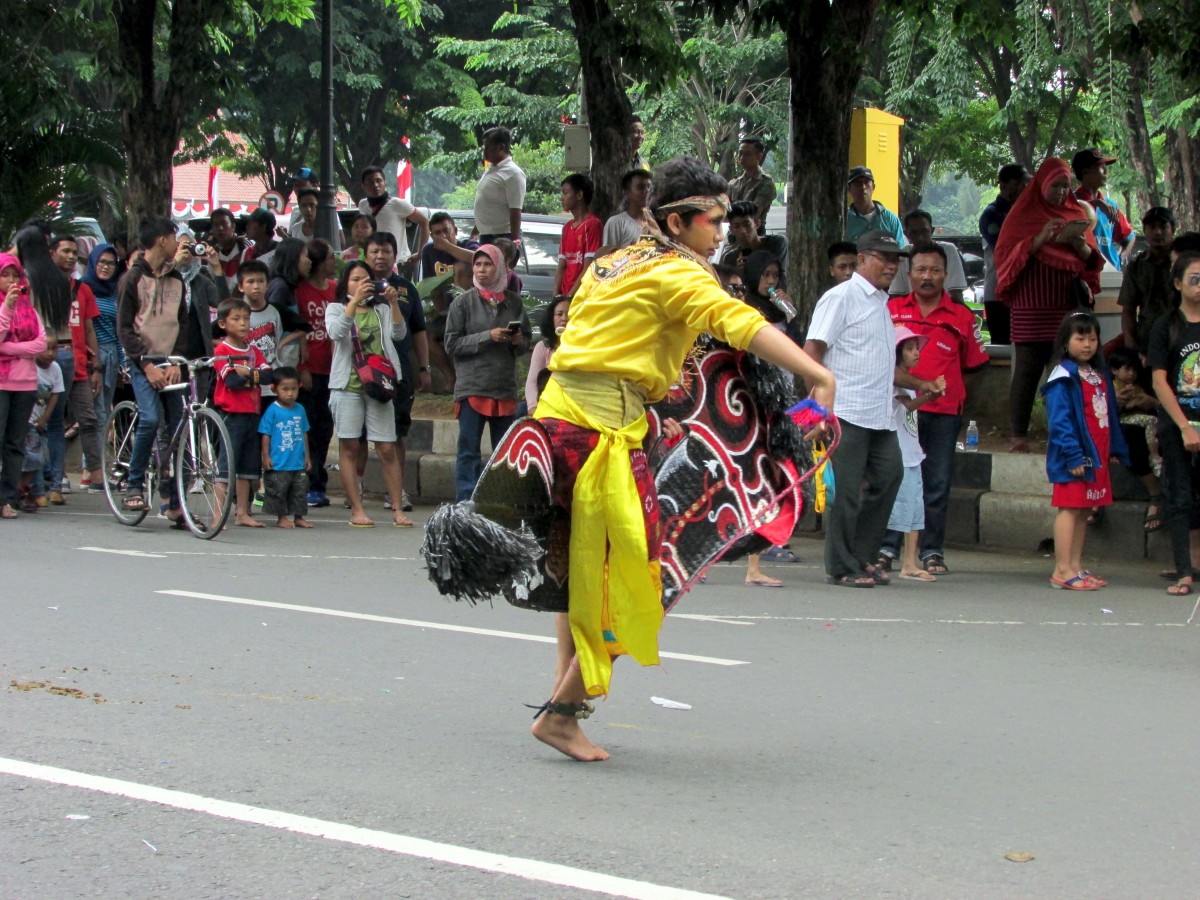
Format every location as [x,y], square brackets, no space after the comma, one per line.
[615,590]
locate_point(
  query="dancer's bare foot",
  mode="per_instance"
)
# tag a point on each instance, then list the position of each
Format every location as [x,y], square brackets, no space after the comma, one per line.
[284,522]
[564,735]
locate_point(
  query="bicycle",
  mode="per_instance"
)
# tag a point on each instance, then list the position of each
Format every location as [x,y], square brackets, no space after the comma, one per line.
[198,444]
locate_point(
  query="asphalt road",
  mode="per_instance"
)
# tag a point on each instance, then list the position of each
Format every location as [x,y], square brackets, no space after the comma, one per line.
[161,740]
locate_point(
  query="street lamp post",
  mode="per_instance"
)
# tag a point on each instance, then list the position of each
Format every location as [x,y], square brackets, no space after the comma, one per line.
[327,219]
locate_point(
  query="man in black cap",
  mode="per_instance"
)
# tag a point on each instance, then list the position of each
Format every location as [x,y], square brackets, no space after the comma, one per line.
[851,333]
[866,214]
[1146,290]
[1114,234]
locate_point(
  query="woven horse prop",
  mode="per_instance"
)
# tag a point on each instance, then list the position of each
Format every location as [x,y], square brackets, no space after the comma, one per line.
[733,485]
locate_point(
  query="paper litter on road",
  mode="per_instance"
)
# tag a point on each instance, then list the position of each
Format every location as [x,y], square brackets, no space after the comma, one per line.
[1107,612]
[670,704]
[76,817]
[150,845]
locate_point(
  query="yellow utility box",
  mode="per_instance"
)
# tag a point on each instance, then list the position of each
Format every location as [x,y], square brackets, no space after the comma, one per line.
[875,143]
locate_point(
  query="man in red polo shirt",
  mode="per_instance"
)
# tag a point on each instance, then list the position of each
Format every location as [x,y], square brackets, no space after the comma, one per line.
[953,348]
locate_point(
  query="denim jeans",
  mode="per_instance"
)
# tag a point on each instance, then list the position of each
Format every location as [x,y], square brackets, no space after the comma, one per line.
[110,374]
[56,437]
[468,465]
[153,408]
[938,433]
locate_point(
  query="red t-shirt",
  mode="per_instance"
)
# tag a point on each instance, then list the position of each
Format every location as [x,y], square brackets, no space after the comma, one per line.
[579,244]
[312,302]
[83,309]
[953,347]
[244,399]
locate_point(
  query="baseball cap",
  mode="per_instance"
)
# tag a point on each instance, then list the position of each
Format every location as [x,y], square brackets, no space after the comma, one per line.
[904,333]
[1085,159]
[304,173]
[860,172]
[1161,214]
[880,241]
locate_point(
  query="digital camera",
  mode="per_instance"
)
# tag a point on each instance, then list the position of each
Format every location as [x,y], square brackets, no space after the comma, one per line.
[199,249]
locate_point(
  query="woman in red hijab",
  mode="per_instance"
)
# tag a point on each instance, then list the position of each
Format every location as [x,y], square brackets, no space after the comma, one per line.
[1044,270]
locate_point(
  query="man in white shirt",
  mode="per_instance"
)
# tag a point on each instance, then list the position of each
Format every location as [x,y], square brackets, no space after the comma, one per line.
[852,334]
[391,214]
[918,228]
[500,193]
[626,226]
[305,227]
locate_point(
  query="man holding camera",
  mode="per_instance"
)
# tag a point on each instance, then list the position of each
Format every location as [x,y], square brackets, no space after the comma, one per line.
[381,257]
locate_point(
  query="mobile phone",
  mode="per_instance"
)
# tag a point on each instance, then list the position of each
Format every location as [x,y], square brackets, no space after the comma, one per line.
[514,327]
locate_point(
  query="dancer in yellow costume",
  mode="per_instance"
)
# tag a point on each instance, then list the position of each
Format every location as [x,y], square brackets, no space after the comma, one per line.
[635,315]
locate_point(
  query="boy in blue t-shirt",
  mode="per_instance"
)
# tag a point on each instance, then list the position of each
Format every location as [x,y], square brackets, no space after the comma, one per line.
[285,457]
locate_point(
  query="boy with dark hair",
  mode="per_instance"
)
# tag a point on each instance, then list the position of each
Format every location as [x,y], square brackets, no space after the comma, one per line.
[260,231]
[285,454]
[744,238]
[239,370]
[266,326]
[843,260]
[445,253]
[305,226]
[580,237]
[152,323]
[754,184]
[626,226]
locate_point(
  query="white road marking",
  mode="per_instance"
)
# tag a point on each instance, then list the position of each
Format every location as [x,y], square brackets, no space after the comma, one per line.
[863,620]
[721,620]
[529,869]
[141,553]
[418,623]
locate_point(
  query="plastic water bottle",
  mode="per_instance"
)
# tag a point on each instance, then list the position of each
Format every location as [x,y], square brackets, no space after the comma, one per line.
[782,303]
[972,444]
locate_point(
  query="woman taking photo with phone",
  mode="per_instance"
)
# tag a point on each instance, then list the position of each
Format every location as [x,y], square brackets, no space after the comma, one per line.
[486,330]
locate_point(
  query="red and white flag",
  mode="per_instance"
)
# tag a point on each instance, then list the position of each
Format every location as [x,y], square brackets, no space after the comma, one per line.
[214,199]
[404,180]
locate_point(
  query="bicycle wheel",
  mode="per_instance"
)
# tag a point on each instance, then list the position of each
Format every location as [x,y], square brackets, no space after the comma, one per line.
[115,455]
[202,444]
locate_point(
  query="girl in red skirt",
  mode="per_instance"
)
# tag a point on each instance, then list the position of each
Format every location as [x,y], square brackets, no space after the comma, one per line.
[1081,412]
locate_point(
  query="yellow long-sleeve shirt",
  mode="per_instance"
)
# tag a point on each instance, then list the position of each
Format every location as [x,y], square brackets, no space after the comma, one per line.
[638,312]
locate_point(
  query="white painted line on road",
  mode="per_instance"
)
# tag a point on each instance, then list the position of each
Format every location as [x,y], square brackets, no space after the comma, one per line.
[417,623]
[141,553]
[720,620]
[529,869]
[863,620]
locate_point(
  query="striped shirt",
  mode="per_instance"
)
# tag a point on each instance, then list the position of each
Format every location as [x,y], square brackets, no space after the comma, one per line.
[1039,298]
[853,322]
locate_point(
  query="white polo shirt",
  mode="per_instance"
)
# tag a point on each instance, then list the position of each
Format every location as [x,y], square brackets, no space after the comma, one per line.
[501,188]
[392,219]
[853,322]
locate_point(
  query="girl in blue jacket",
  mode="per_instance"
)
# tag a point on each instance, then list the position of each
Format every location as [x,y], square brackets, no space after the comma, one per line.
[1082,415]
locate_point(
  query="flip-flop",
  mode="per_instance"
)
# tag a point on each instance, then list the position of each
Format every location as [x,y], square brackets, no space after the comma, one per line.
[924,576]
[851,581]
[1179,590]
[779,555]
[764,581]
[1095,579]
[367,524]
[1078,583]
[7,512]
[404,522]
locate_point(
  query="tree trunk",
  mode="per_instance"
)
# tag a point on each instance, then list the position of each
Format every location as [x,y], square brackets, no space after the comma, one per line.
[825,61]
[1140,153]
[1183,182]
[609,112]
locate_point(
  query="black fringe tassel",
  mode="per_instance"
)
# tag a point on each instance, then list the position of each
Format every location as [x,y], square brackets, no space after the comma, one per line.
[473,559]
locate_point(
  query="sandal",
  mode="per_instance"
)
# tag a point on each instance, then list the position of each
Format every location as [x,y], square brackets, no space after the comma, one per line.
[1154,516]
[935,564]
[1078,583]
[884,562]
[7,512]
[134,503]
[1096,516]
[861,580]
[881,578]
[779,555]
[1094,579]
[1179,589]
